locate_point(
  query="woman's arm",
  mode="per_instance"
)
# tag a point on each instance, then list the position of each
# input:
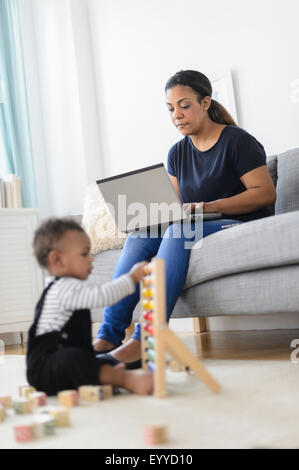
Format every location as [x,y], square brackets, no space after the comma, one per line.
[260,192]
[190,206]
[174,181]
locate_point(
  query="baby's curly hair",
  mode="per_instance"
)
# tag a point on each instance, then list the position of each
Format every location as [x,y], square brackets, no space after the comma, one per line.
[48,234]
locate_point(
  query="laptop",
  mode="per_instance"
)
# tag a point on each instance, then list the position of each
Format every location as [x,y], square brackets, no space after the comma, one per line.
[145,198]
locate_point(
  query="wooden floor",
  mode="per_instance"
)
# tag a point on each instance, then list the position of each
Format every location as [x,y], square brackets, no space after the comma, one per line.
[262,344]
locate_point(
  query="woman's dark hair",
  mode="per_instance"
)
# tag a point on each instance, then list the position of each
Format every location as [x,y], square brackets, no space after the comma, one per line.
[201,85]
[48,234]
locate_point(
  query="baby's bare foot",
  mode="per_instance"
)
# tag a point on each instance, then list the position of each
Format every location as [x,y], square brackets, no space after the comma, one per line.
[139,382]
[102,345]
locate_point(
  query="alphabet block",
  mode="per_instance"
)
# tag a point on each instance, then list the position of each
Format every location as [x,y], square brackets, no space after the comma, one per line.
[89,393]
[38,399]
[43,425]
[6,401]
[106,392]
[25,390]
[61,416]
[2,413]
[155,435]
[68,398]
[23,432]
[22,406]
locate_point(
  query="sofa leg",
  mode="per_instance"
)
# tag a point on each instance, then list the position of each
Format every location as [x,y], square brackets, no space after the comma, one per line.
[199,325]
[129,331]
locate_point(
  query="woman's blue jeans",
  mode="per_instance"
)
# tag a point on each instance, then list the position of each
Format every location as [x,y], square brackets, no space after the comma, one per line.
[174,247]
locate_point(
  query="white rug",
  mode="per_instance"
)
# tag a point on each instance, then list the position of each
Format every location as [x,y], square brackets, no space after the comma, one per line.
[256,408]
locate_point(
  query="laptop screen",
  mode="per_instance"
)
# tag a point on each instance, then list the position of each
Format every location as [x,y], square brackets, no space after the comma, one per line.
[142,198]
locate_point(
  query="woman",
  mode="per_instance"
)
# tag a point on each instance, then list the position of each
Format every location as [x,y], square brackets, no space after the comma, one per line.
[216,165]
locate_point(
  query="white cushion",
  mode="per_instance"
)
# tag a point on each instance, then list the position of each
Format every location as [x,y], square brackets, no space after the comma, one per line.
[99,223]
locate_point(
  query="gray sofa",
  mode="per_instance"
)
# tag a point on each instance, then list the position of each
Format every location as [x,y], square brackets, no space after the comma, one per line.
[248,269]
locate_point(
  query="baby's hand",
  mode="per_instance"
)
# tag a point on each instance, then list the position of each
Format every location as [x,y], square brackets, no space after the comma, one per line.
[137,272]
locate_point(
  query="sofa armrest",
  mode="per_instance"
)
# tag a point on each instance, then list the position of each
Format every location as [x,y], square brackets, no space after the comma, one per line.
[258,244]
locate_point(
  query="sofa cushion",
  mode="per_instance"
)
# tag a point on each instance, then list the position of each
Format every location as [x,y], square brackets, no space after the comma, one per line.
[99,223]
[258,244]
[256,292]
[287,182]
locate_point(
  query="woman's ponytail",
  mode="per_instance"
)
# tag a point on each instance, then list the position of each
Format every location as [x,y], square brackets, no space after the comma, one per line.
[201,85]
[219,114]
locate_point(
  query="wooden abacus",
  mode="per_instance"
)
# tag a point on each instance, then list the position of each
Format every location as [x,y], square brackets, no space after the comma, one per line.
[157,339]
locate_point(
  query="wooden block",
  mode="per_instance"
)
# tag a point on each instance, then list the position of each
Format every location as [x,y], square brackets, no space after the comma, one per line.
[49,425]
[90,393]
[22,406]
[23,432]
[6,401]
[25,390]
[2,413]
[61,416]
[105,392]
[38,399]
[68,398]
[155,435]
[43,425]
[20,388]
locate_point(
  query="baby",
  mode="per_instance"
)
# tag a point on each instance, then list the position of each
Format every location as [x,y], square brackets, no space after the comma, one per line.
[60,353]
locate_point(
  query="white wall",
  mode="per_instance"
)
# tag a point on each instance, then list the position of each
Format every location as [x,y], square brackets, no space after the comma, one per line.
[138,44]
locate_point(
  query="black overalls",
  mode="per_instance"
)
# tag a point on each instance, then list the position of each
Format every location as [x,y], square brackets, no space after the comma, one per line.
[65,359]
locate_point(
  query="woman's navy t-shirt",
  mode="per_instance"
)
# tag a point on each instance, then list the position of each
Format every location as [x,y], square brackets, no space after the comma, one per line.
[215,173]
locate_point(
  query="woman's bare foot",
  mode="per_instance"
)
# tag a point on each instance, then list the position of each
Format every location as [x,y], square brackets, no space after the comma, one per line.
[128,352]
[102,345]
[139,382]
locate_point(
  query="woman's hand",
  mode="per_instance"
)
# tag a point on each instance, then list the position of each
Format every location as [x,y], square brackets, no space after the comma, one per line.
[201,207]
[210,207]
[192,207]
